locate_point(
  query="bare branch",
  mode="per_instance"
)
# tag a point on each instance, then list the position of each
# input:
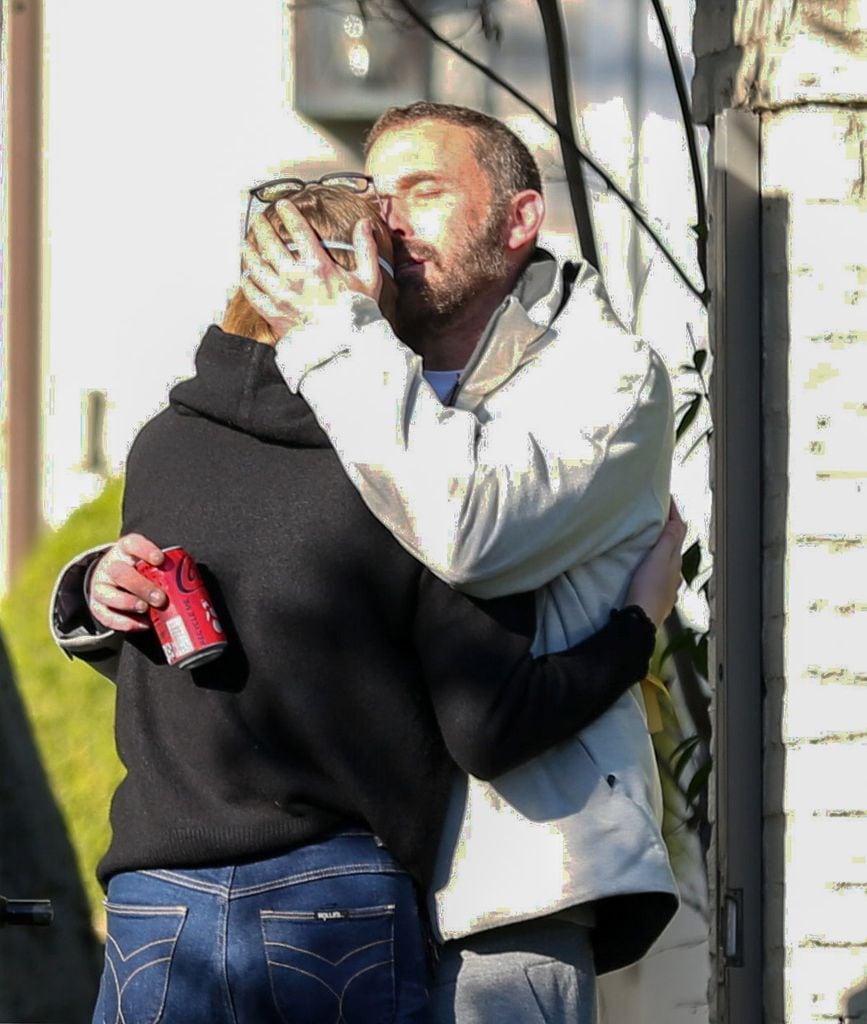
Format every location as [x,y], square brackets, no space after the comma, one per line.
[701,227]
[701,294]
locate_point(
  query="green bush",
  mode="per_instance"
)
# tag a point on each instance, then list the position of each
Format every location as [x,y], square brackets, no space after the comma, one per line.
[70,705]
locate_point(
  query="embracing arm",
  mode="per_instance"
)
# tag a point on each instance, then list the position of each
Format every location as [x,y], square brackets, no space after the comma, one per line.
[577,442]
[576,439]
[496,705]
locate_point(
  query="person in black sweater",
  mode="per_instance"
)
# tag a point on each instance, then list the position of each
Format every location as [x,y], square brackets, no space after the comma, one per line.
[282,803]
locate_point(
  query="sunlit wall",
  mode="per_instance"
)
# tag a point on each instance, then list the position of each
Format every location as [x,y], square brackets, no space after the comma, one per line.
[157,117]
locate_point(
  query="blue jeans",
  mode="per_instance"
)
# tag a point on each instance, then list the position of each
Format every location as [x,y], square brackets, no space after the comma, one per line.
[329,933]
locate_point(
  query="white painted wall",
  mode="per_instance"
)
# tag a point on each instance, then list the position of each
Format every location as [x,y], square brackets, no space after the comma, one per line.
[158,116]
[815,197]
[803,67]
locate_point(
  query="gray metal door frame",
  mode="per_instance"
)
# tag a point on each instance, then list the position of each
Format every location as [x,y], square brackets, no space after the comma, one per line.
[735,862]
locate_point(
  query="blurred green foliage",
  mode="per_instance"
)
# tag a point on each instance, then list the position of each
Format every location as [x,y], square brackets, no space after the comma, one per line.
[71,707]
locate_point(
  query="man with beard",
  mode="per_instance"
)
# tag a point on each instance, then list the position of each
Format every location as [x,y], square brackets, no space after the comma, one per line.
[539,457]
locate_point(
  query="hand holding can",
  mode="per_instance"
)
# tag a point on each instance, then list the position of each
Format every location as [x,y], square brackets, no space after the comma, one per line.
[187,625]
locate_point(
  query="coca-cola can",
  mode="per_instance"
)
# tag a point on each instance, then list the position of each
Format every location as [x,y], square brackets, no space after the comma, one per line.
[187,625]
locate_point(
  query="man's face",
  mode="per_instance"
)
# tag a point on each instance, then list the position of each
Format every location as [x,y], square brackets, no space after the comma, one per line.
[448,228]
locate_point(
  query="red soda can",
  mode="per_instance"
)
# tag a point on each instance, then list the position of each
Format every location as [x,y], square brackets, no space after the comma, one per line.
[187,625]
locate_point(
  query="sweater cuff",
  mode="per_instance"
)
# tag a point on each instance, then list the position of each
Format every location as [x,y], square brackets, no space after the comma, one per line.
[638,635]
[72,626]
[327,335]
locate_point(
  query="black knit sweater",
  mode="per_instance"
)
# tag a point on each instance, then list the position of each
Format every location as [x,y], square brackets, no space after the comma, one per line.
[353,680]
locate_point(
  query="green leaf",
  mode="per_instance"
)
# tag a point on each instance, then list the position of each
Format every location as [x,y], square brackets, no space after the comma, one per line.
[684,641]
[688,417]
[690,562]
[682,745]
[698,783]
[705,436]
[691,396]
[699,358]
[684,752]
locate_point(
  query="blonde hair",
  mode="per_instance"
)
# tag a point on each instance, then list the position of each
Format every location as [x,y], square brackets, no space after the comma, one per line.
[332,211]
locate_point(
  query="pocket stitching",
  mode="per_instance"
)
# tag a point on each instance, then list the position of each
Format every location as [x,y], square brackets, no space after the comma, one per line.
[385,912]
[324,959]
[125,910]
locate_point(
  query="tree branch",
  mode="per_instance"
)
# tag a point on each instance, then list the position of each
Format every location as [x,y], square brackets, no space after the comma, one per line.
[701,227]
[558,66]
[700,294]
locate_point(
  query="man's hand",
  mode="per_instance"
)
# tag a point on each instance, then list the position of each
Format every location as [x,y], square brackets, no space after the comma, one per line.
[119,596]
[287,291]
[656,581]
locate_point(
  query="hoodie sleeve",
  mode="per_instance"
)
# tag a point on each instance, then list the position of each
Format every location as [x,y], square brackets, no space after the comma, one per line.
[577,442]
[496,705]
[73,628]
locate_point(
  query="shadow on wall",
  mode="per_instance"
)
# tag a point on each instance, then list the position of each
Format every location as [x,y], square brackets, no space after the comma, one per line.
[46,974]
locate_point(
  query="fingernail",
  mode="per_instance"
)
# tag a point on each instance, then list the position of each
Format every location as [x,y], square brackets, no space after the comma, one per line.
[155,558]
[141,607]
[155,597]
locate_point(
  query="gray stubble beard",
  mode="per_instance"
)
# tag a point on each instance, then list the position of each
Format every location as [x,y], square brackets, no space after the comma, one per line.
[421,308]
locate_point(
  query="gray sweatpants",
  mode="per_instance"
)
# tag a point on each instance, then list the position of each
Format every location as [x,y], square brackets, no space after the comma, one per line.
[539,972]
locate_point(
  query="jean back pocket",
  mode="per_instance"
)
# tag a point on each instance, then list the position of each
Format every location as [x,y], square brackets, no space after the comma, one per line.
[139,948]
[331,964]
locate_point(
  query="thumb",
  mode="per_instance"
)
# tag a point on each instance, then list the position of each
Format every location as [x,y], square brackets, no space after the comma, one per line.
[367,258]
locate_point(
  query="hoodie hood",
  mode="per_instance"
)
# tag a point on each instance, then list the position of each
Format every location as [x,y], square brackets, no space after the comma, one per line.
[237,383]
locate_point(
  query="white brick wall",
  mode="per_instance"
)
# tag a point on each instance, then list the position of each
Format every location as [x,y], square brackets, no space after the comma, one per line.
[771,55]
[803,66]
[815,247]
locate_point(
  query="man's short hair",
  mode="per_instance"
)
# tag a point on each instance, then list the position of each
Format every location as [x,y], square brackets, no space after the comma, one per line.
[509,164]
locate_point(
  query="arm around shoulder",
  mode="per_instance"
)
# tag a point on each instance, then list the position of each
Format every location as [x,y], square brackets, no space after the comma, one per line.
[496,705]
[575,439]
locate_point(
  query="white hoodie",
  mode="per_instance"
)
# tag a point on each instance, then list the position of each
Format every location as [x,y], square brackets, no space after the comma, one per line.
[549,471]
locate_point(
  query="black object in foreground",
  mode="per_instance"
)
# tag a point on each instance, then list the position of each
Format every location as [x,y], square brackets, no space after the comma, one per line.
[37,913]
